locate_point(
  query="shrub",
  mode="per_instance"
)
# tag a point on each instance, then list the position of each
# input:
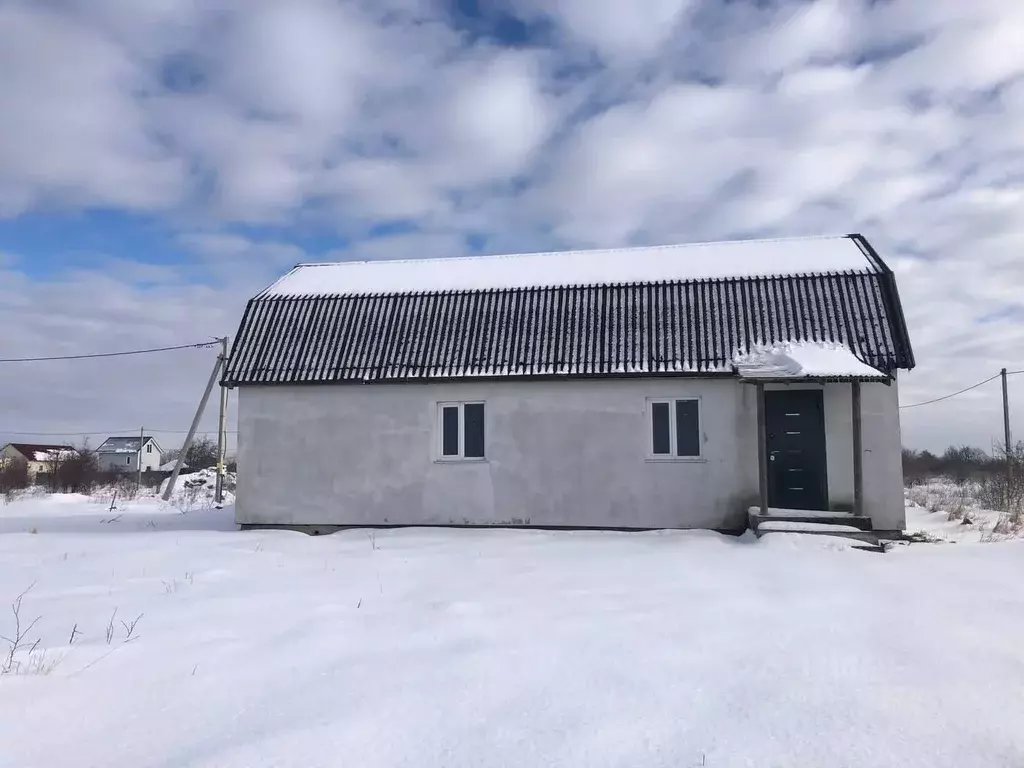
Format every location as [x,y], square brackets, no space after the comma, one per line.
[13,476]
[77,473]
[1003,487]
[71,471]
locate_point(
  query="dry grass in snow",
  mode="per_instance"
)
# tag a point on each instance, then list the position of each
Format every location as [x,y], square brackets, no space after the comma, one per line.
[947,511]
[176,640]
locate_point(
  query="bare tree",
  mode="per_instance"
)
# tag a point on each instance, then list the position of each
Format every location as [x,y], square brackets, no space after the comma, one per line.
[170,455]
[202,454]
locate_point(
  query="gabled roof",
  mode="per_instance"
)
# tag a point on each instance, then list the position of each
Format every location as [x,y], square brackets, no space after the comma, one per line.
[124,444]
[40,451]
[627,312]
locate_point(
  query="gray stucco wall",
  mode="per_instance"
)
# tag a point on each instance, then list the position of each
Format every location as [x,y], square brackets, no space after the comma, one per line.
[571,453]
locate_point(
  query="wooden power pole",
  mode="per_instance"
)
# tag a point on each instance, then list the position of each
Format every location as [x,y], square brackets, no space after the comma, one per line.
[222,424]
[192,430]
[138,469]
[1007,440]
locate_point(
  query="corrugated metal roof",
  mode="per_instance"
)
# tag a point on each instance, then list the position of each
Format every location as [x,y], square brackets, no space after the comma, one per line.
[677,327]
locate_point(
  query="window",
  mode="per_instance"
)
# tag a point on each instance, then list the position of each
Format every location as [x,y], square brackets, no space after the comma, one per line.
[149,447]
[127,460]
[461,428]
[675,429]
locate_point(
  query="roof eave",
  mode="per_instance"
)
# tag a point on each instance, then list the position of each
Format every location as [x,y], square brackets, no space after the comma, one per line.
[879,379]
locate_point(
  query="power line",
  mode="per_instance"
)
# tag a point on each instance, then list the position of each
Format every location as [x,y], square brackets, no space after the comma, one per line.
[954,394]
[197,345]
[111,432]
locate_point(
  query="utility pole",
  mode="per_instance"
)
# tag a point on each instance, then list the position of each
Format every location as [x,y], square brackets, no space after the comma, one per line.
[138,472]
[222,423]
[192,430]
[1007,444]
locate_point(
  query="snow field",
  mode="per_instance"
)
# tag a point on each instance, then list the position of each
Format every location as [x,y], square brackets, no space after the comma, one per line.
[423,647]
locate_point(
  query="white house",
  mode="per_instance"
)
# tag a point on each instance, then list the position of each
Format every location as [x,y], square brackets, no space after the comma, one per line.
[665,387]
[123,454]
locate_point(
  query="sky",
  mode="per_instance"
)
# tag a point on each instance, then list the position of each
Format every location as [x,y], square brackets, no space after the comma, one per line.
[161,161]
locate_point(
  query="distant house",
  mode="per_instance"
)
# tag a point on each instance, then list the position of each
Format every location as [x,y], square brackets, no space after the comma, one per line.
[123,454]
[664,387]
[38,456]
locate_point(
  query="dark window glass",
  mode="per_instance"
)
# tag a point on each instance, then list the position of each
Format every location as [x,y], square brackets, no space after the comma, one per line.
[660,427]
[450,430]
[687,428]
[474,440]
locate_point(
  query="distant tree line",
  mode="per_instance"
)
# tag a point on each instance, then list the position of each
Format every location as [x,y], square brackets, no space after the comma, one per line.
[960,463]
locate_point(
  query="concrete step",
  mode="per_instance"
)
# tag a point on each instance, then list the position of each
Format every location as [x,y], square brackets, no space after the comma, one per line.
[868,537]
[854,521]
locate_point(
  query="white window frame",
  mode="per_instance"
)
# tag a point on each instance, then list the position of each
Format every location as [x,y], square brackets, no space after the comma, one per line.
[439,420]
[672,438]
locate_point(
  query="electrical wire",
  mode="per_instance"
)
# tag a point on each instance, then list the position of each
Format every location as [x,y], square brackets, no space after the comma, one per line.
[114,432]
[954,394]
[197,345]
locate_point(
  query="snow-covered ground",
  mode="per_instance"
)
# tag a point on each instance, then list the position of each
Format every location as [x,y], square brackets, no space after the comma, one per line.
[484,648]
[946,512]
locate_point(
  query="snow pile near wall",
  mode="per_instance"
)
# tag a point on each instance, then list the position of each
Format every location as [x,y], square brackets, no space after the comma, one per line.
[197,490]
[803,359]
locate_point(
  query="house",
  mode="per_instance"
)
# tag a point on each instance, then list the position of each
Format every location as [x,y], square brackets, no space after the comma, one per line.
[38,456]
[660,387]
[123,454]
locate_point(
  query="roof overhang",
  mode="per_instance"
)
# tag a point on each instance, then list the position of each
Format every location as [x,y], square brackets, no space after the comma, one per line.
[881,379]
[804,361]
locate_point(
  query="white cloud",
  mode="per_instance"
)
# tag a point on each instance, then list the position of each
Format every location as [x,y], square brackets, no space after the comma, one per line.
[497,116]
[617,30]
[300,60]
[73,132]
[683,121]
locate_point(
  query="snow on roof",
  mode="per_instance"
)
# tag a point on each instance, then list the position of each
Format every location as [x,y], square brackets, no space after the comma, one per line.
[804,360]
[694,261]
[41,451]
[122,444]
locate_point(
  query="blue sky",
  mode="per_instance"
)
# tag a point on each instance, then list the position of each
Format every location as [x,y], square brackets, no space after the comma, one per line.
[161,161]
